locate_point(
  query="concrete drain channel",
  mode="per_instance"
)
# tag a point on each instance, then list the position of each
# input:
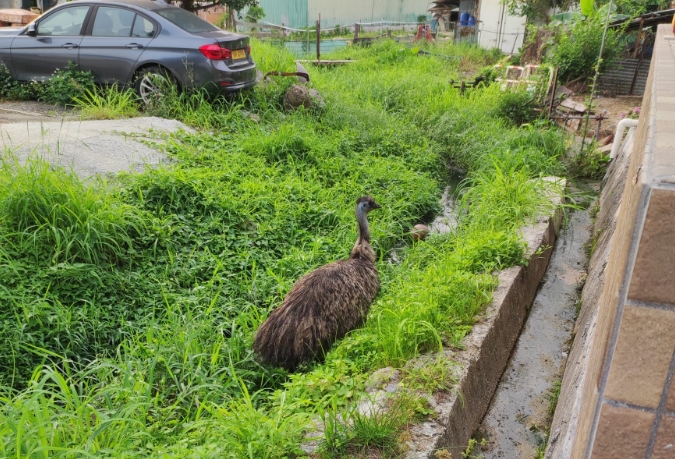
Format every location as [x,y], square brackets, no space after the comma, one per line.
[518,419]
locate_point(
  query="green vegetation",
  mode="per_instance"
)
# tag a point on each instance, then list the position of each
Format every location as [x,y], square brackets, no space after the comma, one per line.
[129,304]
[62,89]
[107,103]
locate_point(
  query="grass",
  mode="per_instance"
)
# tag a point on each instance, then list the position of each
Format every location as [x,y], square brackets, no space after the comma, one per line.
[107,103]
[129,305]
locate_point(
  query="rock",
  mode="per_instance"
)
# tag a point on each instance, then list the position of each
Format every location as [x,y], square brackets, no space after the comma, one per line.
[419,232]
[259,76]
[299,96]
[381,378]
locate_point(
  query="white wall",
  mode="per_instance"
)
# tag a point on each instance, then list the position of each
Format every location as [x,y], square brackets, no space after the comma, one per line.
[498,29]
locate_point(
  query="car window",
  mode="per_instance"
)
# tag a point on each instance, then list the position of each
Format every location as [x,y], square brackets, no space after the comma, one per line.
[112,22]
[67,21]
[186,20]
[143,28]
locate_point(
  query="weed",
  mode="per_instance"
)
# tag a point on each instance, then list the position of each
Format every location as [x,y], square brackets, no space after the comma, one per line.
[431,377]
[65,85]
[106,103]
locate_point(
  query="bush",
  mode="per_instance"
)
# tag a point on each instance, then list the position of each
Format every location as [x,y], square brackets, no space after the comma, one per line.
[517,107]
[62,89]
[65,85]
[12,89]
[575,50]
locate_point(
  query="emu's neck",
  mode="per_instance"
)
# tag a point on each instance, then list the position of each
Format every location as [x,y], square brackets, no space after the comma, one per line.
[362,248]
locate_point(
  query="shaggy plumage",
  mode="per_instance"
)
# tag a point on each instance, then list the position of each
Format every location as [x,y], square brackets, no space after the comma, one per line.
[323,305]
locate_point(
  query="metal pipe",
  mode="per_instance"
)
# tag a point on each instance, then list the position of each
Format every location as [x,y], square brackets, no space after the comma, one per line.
[618,135]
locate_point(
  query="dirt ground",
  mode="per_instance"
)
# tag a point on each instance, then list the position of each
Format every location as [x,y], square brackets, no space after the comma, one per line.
[30,111]
[614,108]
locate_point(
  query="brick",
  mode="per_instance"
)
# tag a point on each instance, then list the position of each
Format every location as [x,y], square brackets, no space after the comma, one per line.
[670,405]
[622,433]
[654,270]
[664,447]
[643,352]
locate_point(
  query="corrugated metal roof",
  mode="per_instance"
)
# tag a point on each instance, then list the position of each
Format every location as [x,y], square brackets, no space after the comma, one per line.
[293,13]
[618,78]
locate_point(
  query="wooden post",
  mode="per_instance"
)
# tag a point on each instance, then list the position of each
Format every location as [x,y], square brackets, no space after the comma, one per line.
[389,33]
[638,42]
[318,39]
[357,30]
[283,31]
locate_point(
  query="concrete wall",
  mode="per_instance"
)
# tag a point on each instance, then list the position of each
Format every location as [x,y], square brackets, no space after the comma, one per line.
[616,400]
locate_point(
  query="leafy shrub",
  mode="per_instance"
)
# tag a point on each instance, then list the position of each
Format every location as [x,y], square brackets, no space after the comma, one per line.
[575,50]
[62,89]
[13,90]
[65,85]
[516,106]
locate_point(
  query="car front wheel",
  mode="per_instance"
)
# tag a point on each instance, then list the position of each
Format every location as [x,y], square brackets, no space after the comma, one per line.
[154,82]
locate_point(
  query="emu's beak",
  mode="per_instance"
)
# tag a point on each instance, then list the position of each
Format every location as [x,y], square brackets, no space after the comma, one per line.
[376,206]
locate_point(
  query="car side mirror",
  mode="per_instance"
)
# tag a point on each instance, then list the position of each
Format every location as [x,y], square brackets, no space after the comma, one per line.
[31,30]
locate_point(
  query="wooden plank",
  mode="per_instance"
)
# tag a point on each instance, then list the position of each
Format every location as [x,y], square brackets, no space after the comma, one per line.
[324,62]
[17,16]
[576,106]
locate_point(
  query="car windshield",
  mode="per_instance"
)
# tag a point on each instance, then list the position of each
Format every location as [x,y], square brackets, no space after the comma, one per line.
[186,20]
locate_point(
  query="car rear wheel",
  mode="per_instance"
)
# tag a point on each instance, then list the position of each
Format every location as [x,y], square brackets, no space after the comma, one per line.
[153,82]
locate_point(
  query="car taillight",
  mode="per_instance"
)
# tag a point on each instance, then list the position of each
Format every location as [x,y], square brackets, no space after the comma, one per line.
[215,52]
[248,49]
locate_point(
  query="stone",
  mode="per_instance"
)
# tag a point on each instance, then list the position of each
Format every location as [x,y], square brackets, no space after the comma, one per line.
[382,378]
[300,96]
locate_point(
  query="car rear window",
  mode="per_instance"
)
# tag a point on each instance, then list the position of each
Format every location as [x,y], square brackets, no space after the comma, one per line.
[186,21]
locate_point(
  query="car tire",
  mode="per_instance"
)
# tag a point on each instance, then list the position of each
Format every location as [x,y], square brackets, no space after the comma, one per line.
[150,82]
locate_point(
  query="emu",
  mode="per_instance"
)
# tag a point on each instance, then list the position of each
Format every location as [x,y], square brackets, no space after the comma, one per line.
[323,305]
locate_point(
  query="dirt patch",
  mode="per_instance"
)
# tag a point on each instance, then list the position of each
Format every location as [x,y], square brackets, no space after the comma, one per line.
[32,110]
[614,109]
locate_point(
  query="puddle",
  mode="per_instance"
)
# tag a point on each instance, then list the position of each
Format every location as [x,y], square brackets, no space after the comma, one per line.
[518,419]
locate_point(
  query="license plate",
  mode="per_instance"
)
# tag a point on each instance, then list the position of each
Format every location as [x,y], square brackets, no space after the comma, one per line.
[238,54]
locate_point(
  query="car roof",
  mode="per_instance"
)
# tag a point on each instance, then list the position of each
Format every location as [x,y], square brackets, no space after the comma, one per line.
[145,4]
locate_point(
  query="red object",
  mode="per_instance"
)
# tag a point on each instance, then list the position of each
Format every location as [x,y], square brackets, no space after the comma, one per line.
[215,52]
[248,50]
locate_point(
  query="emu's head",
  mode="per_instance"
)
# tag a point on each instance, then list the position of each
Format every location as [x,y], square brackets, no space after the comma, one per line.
[366,204]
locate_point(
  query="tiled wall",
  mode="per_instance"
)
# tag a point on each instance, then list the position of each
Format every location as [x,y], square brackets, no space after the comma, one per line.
[628,408]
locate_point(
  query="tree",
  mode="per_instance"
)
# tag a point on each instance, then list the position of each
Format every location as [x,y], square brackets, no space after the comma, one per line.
[535,10]
[231,5]
[637,7]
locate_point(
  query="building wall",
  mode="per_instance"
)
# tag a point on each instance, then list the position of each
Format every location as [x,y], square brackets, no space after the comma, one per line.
[293,13]
[498,29]
[618,392]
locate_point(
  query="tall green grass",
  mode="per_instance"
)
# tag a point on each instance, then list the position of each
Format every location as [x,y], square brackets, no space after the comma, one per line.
[130,306]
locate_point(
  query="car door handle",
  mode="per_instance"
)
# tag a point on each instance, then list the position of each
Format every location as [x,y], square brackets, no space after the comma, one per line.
[70,45]
[134,46]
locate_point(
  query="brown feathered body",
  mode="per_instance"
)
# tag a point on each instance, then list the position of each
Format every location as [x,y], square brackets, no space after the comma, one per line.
[323,305]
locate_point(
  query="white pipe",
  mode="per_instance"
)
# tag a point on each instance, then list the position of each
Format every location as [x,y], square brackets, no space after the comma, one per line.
[618,135]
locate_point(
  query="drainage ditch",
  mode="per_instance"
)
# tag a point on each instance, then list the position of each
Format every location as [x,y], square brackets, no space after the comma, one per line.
[519,417]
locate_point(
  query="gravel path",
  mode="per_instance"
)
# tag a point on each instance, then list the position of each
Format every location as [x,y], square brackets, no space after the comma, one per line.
[89,147]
